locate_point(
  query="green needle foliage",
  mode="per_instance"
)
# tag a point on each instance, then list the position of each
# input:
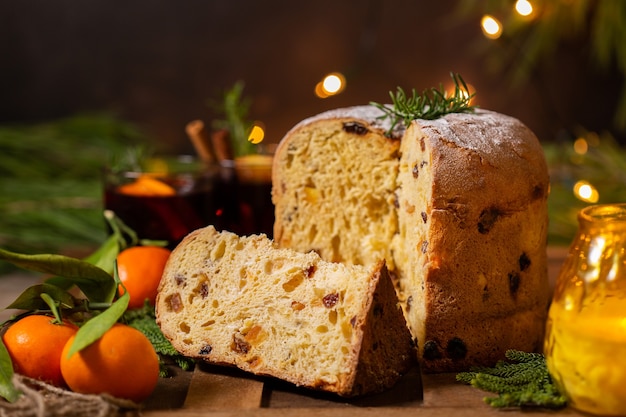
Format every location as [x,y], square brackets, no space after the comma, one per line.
[602,165]
[430,104]
[234,107]
[523,382]
[50,181]
[528,46]
[144,320]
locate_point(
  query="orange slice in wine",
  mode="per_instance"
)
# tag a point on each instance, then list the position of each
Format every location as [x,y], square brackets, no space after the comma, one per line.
[147,186]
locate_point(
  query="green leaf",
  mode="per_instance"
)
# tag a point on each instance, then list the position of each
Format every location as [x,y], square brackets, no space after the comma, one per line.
[104,257]
[60,282]
[93,281]
[31,299]
[7,389]
[54,307]
[95,327]
[121,230]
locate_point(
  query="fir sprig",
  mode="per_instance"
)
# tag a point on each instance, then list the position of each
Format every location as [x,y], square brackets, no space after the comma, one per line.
[523,382]
[143,319]
[431,104]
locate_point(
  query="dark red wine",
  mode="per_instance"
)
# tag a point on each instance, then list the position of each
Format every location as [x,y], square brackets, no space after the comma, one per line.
[256,208]
[186,202]
[166,206]
[165,217]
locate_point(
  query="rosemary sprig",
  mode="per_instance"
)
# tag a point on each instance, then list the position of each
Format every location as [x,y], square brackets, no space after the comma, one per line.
[431,104]
[235,107]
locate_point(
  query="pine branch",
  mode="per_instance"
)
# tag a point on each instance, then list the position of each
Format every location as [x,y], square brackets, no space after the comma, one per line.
[144,320]
[529,45]
[603,165]
[50,181]
[524,383]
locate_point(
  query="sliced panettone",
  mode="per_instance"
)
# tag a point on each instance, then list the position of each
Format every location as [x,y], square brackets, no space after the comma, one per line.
[456,205]
[241,301]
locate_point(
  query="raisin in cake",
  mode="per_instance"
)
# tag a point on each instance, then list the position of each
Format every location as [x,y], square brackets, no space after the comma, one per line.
[457,206]
[243,302]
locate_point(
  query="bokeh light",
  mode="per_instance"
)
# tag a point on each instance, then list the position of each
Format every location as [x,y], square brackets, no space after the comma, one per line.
[332,84]
[256,134]
[583,190]
[492,28]
[580,146]
[523,7]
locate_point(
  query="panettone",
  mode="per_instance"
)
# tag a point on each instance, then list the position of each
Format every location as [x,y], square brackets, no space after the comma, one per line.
[457,206]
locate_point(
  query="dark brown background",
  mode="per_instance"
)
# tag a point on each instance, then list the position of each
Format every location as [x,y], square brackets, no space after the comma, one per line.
[157,63]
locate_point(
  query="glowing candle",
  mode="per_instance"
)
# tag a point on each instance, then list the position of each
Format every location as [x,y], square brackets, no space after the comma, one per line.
[585,344]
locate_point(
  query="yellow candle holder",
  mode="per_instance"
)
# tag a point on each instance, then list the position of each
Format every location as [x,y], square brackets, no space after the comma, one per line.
[585,344]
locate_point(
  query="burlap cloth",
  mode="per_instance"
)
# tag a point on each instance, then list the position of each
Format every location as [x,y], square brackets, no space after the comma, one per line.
[39,399]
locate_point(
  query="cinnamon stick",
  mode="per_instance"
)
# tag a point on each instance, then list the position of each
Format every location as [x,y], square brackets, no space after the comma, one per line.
[200,139]
[222,146]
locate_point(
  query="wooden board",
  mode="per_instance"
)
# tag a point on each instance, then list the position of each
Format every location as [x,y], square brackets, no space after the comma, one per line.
[214,392]
[217,391]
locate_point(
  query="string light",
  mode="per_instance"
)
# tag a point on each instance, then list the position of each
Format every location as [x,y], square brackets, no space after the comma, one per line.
[450,89]
[580,146]
[332,84]
[256,134]
[492,28]
[586,192]
[523,7]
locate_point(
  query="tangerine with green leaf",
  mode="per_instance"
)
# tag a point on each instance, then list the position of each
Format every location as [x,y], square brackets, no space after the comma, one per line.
[140,269]
[35,343]
[122,363]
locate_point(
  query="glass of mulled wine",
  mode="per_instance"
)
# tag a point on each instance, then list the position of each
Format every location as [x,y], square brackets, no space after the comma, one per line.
[254,194]
[166,198]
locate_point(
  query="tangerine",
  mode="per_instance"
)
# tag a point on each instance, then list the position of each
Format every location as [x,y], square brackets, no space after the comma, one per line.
[140,269]
[35,343]
[122,363]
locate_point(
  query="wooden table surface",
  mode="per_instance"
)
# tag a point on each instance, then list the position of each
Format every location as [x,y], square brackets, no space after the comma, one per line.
[218,391]
[224,392]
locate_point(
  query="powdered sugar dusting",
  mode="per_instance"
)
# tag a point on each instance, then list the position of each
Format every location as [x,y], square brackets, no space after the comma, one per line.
[370,115]
[482,131]
[486,132]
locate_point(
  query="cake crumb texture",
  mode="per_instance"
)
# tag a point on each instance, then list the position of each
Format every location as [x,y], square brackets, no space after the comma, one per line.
[241,301]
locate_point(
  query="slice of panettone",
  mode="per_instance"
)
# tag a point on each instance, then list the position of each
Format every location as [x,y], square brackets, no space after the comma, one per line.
[243,302]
